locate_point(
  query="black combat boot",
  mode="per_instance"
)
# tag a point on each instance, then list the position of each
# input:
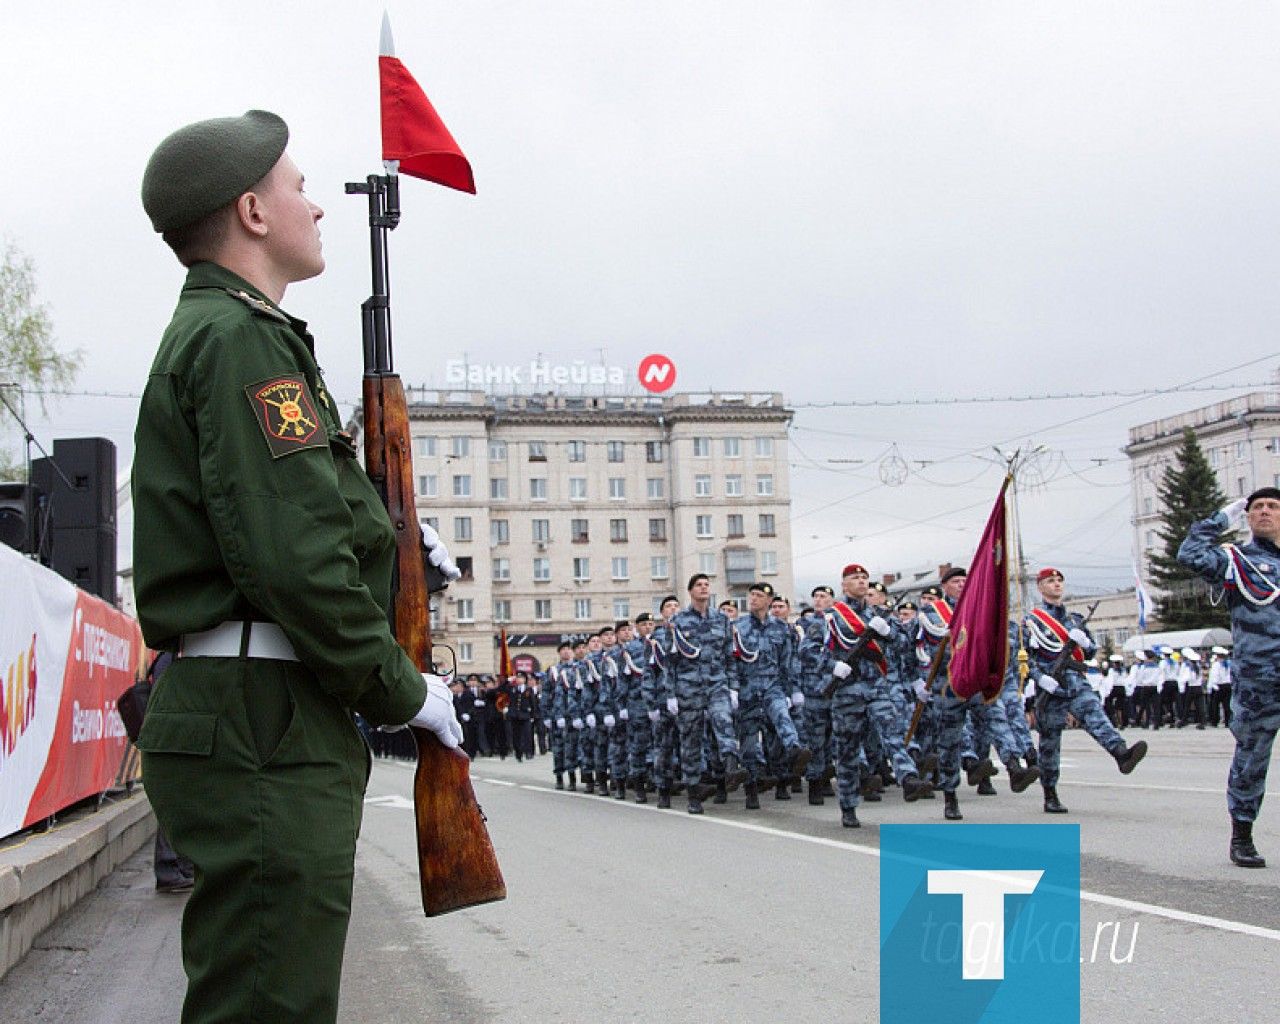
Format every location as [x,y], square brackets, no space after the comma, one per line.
[1020,778]
[638,785]
[914,788]
[815,792]
[1243,853]
[664,799]
[753,796]
[559,780]
[722,792]
[985,788]
[700,790]
[797,785]
[1127,760]
[573,782]
[800,758]
[588,780]
[734,774]
[695,806]
[783,790]
[871,786]
[620,788]
[951,807]
[1052,805]
[602,784]
[849,818]
[1032,758]
[976,771]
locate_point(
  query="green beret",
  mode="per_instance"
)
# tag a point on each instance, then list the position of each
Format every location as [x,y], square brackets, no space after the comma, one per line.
[204,166]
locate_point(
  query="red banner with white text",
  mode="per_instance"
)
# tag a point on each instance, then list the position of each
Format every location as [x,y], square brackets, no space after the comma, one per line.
[65,656]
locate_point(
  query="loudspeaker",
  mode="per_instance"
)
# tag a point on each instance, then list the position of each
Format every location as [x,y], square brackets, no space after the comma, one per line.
[87,557]
[80,482]
[18,513]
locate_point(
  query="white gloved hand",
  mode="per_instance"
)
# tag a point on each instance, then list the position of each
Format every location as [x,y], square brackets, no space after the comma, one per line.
[622,714]
[733,699]
[479,703]
[1235,513]
[577,723]
[879,625]
[1047,683]
[591,721]
[437,713]
[654,715]
[922,691]
[922,656]
[1081,638]
[841,670]
[546,723]
[559,723]
[578,685]
[466,717]
[438,554]
[609,721]
[673,706]
[797,699]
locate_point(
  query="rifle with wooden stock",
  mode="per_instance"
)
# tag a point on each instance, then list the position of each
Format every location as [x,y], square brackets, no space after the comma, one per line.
[457,865]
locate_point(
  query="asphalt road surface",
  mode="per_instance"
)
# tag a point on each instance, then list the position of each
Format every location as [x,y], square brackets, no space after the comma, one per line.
[620,912]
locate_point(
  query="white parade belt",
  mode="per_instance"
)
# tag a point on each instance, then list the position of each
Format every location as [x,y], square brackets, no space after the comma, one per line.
[266,640]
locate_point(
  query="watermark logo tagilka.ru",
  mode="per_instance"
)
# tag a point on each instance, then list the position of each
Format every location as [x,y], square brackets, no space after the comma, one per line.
[980,923]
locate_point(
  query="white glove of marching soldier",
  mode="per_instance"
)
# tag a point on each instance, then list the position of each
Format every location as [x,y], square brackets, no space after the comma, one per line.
[622,714]
[733,699]
[559,723]
[1235,513]
[654,715]
[673,705]
[609,722]
[546,723]
[841,670]
[577,723]
[797,699]
[922,691]
[591,721]
[879,625]
[438,554]
[1081,638]
[437,713]
[1047,683]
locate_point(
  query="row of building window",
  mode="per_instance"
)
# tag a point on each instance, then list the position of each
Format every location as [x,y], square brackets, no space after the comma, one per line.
[655,487]
[580,529]
[459,447]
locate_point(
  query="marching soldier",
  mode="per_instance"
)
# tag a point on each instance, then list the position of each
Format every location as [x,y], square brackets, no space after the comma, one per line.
[1249,573]
[815,674]
[556,709]
[587,686]
[1050,628]
[699,691]
[639,725]
[662,718]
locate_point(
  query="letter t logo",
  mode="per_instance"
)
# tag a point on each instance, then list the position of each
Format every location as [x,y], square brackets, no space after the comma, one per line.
[982,896]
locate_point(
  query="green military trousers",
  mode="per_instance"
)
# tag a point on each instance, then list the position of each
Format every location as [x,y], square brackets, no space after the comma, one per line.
[258,777]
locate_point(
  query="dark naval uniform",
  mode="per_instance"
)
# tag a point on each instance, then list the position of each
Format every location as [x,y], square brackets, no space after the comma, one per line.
[254,520]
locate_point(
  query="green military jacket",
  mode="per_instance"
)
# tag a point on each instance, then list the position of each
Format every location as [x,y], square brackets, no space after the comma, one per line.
[249,502]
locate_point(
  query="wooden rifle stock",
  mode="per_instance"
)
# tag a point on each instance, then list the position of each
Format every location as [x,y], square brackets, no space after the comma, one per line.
[457,865]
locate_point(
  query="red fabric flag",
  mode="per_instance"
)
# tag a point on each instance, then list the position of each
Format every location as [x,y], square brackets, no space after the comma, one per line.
[504,657]
[980,626]
[413,133]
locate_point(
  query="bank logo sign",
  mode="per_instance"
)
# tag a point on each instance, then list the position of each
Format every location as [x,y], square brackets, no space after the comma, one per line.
[979,924]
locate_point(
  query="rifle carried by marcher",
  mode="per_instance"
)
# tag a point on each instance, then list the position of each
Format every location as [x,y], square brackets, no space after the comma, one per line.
[1059,665]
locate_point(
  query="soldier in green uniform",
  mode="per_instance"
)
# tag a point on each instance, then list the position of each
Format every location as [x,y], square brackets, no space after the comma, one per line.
[262,558]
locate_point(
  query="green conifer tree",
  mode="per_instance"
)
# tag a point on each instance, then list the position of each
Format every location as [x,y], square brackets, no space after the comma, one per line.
[1188,491]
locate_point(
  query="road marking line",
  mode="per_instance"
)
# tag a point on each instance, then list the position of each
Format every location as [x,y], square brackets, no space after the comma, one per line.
[497,782]
[1152,909]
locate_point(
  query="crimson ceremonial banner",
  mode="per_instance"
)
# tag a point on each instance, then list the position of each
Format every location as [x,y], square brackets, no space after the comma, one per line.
[504,657]
[980,626]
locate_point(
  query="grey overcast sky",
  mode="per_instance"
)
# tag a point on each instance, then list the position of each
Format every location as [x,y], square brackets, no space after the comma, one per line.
[835,200]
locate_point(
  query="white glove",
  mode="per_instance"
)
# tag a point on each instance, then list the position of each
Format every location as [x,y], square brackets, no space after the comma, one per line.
[733,699]
[1236,518]
[879,625]
[922,657]
[578,685]
[591,720]
[1081,638]
[673,705]
[466,717]
[1047,683]
[479,703]
[609,721]
[622,714]
[654,715]
[922,691]
[841,670]
[577,723]
[559,723]
[438,554]
[797,699]
[437,713]
[546,723]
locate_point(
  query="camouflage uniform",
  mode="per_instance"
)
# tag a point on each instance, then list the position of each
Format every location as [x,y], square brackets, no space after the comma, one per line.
[697,675]
[766,665]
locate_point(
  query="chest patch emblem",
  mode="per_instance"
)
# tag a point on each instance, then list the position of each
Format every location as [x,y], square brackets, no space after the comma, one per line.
[286,412]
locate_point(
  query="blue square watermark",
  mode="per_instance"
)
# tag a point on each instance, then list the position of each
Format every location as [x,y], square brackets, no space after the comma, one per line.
[980,923]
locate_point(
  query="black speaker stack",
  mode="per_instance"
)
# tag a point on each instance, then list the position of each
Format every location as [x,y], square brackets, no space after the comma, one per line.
[66,515]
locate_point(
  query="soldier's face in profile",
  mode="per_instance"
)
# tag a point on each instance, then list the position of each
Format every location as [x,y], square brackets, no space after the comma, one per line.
[1051,589]
[1264,518]
[954,587]
[292,222]
[757,601]
[856,585]
[669,608]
